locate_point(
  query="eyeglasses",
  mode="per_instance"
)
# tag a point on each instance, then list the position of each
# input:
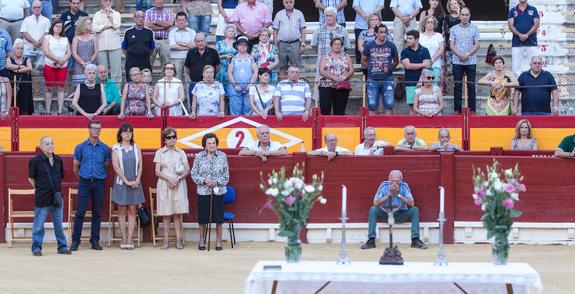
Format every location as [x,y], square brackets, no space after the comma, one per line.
[172,68]
[171,137]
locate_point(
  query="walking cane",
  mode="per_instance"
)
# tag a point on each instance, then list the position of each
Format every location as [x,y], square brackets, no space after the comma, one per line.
[209,226]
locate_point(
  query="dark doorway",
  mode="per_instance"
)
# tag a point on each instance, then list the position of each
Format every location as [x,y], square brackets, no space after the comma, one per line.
[480,9]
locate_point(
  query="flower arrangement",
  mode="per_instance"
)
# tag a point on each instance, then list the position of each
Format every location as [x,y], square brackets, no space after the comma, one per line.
[496,192]
[291,198]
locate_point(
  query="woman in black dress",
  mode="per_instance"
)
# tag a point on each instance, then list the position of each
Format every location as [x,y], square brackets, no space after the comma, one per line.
[20,68]
[89,98]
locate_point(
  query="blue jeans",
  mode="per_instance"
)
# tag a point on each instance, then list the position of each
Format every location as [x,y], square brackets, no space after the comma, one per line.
[200,23]
[239,102]
[401,216]
[383,88]
[468,70]
[87,190]
[147,4]
[40,215]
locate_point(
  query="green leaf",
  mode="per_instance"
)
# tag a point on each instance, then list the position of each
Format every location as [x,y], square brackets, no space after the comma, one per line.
[490,234]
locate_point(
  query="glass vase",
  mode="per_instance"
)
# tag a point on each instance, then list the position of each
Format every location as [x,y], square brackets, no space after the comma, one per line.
[293,248]
[500,248]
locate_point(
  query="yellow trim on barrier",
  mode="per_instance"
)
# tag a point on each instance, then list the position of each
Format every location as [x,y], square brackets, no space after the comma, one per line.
[429,135]
[5,139]
[66,139]
[485,138]
[347,137]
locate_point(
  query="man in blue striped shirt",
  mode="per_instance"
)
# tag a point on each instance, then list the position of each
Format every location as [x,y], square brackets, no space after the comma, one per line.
[292,96]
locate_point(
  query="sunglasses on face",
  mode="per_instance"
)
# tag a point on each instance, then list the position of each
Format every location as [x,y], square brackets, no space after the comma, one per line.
[171,137]
[429,78]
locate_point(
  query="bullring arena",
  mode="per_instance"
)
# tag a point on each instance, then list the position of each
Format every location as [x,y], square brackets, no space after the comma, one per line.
[541,255]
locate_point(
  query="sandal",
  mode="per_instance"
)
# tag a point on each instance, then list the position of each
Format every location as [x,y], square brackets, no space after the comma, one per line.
[166,245]
[179,245]
[130,246]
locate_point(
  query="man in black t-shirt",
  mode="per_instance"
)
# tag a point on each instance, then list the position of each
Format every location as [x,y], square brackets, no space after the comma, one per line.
[199,57]
[70,18]
[45,172]
[138,45]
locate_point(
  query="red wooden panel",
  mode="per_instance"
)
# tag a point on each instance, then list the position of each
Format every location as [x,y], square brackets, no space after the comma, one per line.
[289,121]
[363,175]
[549,181]
[400,121]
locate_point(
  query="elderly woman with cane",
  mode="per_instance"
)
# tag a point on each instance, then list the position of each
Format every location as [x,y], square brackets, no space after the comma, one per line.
[211,174]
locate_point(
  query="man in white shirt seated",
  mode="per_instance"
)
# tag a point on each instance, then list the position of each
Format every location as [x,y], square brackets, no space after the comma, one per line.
[331,150]
[410,141]
[370,146]
[444,144]
[263,147]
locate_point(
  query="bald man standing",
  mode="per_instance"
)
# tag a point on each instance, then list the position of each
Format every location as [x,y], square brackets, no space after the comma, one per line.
[394,192]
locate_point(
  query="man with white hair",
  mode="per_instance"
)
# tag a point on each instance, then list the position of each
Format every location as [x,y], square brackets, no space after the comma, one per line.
[323,34]
[292,96]
[536,88]
[410,141]
[106,25]
[34,28]
[395,193]
[264,147]
[444,145]
[331,150]
[45,173]
[370,145]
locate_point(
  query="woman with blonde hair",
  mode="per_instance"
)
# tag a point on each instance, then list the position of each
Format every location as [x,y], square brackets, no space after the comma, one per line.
[172,168]
[84,49]
[435,43]
[523,139]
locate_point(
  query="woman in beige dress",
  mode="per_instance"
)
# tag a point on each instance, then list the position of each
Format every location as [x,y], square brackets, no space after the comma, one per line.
[172,168]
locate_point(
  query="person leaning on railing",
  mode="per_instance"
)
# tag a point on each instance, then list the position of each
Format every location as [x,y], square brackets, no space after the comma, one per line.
[444,144]
[89,98]
[331,150]
[135,96]
[410,141]
[208,96]
[566,148]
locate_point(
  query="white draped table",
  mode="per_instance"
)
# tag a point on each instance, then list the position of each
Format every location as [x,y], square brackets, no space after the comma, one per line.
[371,277]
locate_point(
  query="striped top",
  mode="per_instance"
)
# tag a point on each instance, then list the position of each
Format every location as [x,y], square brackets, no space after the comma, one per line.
[292,97]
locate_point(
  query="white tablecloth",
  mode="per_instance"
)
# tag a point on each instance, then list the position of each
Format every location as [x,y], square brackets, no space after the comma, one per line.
[412,277]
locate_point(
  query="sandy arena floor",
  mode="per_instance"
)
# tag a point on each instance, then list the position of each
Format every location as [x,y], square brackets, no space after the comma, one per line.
[151,270]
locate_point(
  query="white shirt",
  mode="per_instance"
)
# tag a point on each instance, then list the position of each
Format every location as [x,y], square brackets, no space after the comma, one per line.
[273,146]
[172,95]
[362,150]
[36,27]
[337,149]
[432,44]
[109,39]
[266,96]
[58,48]
[177,36]
[13,9]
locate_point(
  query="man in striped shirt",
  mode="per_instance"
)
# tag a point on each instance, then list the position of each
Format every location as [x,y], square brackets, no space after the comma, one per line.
[160,20]
[292,96]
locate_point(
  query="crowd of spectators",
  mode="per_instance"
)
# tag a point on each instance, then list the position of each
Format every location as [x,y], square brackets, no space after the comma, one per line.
[426,43]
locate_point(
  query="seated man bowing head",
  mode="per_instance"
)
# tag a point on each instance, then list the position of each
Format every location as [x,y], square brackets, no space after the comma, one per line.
[331,150]
[397,193]
[264,147]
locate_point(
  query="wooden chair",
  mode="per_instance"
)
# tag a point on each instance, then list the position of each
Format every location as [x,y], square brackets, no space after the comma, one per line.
[153,211]
[13,214]
[72,195]
[113,216]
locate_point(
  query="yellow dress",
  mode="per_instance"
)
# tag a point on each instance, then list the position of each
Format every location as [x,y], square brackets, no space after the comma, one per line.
[499,102]
[171,201]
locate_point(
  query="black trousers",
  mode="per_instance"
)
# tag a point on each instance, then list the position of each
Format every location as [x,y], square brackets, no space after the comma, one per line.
[458,72]
[330,98]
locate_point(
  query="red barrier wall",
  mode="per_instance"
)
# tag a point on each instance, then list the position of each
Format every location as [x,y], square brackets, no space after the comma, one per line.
[550,195]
